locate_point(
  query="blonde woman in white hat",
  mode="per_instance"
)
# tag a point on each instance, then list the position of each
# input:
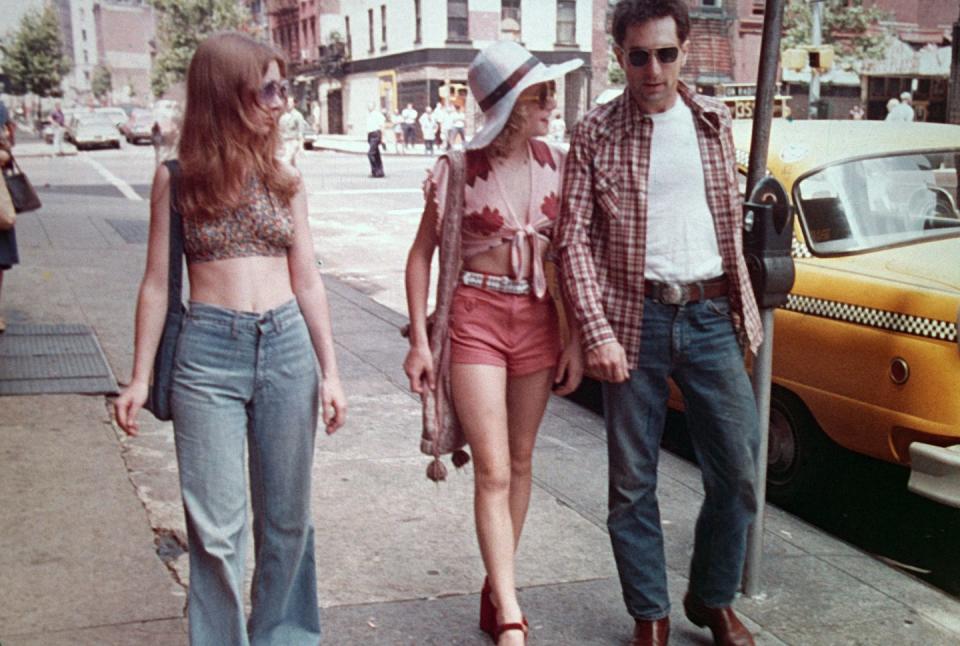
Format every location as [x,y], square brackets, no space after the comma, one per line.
[506,353]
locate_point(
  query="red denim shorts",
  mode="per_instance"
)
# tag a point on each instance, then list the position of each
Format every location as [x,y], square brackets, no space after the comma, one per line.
[517,332]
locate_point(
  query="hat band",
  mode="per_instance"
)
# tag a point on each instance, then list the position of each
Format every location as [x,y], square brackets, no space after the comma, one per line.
[504,88]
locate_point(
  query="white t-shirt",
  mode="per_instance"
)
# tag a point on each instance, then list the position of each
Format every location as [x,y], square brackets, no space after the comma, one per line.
[681,239]
[428,124]
[375,121]
[409,116]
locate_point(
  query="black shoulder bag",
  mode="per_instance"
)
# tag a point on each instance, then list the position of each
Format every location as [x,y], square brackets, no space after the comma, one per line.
[161,381]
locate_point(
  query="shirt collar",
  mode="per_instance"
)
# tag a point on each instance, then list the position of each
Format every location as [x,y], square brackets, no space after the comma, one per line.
[705,110]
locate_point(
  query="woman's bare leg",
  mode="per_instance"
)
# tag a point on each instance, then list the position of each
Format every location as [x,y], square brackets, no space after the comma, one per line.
[500,417]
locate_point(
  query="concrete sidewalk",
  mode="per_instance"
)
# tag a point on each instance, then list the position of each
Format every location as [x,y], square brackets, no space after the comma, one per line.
[91,532]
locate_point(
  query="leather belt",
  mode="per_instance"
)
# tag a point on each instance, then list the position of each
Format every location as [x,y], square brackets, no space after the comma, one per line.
[683,293]
[503,284]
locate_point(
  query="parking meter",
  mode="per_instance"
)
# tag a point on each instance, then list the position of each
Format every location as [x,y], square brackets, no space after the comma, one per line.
[767,242]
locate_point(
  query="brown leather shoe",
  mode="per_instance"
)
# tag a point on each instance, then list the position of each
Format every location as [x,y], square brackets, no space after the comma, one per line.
[722,622]
[651,633]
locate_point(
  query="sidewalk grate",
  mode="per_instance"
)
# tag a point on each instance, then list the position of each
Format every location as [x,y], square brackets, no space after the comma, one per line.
[132,231]
[43,359]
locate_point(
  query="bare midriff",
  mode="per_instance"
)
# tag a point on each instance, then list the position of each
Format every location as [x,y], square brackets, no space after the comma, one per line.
[249,284]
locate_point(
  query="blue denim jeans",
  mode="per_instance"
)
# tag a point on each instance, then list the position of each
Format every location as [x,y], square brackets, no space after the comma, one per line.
[243,378]
[696,345]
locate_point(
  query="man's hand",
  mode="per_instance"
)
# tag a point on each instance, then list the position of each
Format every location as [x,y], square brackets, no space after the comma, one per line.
[608,362]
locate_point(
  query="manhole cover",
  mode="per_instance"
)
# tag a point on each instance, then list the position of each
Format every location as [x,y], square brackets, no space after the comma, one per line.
[41,359]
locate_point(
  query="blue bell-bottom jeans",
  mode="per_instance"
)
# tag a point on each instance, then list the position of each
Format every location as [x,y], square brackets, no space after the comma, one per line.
[696,345]
[247,379]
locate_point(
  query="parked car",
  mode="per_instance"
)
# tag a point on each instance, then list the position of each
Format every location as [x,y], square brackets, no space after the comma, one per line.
[117,115]
[866,352]
[91,130]
[139,126]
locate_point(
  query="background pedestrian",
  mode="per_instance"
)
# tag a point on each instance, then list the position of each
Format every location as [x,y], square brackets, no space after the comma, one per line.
[558,128]
[292,125]
[428,126]
[375,124]
[9,255]
[58,123]
[409,116]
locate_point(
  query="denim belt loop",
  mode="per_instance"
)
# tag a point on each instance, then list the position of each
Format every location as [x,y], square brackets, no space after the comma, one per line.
[235,326]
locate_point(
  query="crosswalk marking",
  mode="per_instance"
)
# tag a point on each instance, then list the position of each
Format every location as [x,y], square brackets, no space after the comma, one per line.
[121,185]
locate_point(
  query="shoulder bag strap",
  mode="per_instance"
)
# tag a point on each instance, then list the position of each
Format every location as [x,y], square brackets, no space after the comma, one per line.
[175,268]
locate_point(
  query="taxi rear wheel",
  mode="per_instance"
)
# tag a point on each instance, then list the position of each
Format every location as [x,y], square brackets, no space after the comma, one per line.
[798,453]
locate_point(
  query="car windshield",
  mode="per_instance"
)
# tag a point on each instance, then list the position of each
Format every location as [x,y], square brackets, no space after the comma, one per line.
[880,201]
[95,120]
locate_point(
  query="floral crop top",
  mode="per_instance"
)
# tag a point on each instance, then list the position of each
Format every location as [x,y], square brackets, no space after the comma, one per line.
[260,227]
[488,218]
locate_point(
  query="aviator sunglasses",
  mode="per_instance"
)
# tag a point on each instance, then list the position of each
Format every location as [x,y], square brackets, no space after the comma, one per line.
[640,57]
[545,93]
[273,90]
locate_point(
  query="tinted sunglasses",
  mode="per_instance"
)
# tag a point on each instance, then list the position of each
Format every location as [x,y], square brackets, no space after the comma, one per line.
[640,57]
[546,92]
[274,90]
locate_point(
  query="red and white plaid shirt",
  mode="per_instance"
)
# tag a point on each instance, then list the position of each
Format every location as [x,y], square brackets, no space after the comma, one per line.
[602,229]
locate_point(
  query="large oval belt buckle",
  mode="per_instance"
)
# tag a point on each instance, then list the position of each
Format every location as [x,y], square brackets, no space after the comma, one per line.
[672,294]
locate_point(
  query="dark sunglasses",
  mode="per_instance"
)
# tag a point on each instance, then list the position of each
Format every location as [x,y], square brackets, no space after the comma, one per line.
[545,93]
[640,57]
[273,90]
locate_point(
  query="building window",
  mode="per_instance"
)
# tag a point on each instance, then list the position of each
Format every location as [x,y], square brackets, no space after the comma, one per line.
[346,28]
[370,29]
[458,20]
[711,3]
[567,22]
[510,19]
[418,21]
[83,35]
[383,26]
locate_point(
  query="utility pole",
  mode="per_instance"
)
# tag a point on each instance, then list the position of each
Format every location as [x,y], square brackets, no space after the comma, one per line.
[953,101]
[816,39]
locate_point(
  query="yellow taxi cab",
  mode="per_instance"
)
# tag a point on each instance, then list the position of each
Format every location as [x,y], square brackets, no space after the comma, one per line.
[866,351]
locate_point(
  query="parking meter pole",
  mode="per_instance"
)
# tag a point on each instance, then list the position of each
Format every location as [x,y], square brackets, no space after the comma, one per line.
[762,376]
[766,92]
[762,367]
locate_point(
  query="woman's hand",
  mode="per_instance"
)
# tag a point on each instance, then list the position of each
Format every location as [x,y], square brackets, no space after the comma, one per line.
[128,404]
[333,404]
[569,370]
[419,367]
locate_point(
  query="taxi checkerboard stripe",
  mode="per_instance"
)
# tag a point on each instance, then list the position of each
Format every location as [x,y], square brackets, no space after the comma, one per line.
[872,317]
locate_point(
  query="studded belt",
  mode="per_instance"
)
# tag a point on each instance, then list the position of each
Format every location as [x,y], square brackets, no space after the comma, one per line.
[683,293]
[504,284]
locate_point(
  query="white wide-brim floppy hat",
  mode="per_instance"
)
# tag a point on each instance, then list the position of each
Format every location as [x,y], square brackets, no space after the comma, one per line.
[498,75]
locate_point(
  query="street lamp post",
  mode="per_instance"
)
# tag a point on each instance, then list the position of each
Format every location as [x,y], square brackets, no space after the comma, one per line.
[953,102]
[816,39]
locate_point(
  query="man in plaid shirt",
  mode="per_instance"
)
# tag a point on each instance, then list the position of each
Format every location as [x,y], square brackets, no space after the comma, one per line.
[651,262]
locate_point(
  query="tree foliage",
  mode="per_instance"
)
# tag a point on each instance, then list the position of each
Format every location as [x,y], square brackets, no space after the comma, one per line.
[101,84]
[852,28]
[181,25]
[33,58]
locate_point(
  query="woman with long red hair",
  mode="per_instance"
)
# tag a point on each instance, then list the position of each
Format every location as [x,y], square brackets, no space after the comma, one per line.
[244,372]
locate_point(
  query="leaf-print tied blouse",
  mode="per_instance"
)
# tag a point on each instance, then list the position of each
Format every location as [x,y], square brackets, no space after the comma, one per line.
[488,218]
[259,227]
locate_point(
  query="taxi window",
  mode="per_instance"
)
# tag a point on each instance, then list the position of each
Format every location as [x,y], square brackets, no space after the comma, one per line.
[880,201]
